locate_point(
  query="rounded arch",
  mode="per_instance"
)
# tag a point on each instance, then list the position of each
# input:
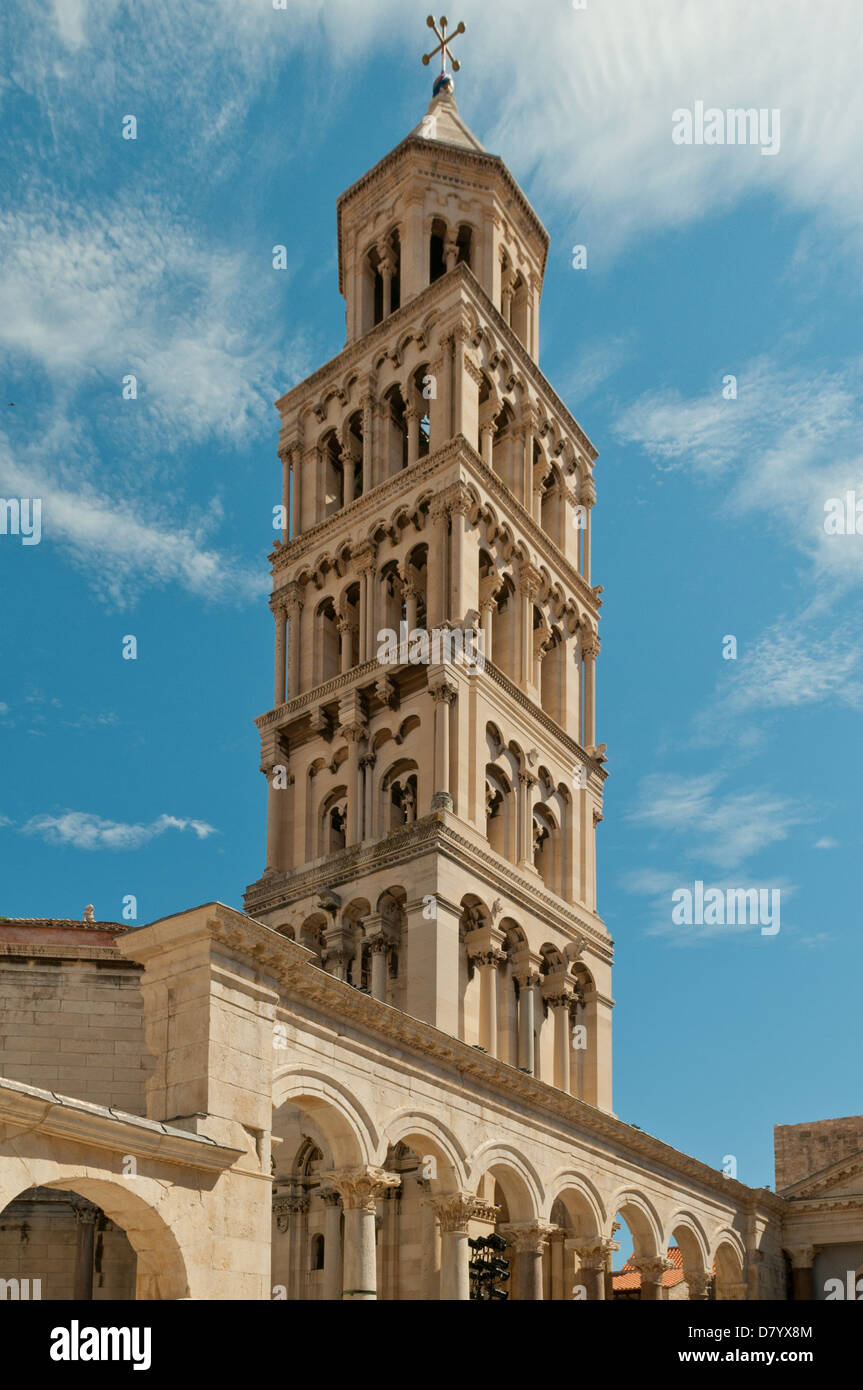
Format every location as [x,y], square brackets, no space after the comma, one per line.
[729,1262]
[686,1231]
[412,1126]
[642,1219]
[345,1123]
[517,1176]
[162,1271]
[583,1203]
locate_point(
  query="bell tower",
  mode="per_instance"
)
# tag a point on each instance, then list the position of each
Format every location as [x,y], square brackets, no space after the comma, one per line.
[434,780]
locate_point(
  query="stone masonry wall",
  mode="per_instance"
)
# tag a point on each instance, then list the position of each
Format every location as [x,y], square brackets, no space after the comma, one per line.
[75,1027]
[801,1150]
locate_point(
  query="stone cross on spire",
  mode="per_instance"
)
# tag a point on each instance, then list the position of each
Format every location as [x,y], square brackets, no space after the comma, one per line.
[444,41]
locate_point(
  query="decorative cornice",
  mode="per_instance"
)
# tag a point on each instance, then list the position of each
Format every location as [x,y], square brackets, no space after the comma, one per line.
[431,831]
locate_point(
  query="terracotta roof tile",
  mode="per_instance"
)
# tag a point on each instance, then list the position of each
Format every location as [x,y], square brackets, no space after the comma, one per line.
[630,1278]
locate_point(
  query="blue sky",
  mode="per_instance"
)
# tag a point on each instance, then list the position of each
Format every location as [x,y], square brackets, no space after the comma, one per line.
[153,257]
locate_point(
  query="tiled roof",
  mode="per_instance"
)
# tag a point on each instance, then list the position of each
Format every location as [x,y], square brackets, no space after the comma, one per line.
[64,922]
[630,1278]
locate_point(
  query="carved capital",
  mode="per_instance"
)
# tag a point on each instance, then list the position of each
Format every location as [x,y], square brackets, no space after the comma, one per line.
[590,646]
[594,1252]
[652,1267]
[529,580]
[527,1237]
[453,1210]
[360,1188]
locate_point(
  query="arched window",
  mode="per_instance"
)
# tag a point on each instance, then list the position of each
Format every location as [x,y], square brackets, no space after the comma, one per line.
[552,676]
[500,814]
[505,630]
[545,846]
[465,243]
[437,261]
[326,642]
[316,1259]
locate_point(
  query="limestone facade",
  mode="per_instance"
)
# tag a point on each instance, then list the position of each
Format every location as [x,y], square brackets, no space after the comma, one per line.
[404,1042]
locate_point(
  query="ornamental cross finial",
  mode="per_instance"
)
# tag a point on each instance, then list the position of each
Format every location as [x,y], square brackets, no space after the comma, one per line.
[444,42]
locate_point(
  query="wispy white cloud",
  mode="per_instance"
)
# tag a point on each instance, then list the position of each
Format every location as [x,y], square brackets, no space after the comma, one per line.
[125,544]
[596,139]
[593,366]
[826,843]
[91,295]
[724,829]
[83,830]
[779,452]
[778,671]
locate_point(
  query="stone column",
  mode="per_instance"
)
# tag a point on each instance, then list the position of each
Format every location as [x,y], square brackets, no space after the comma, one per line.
[527,782]
[453,1211]
[528,982]
[353,731]
[348,465]
[379,948]
[367,404]
[487,433]
[410,598]
[430,1239]
[443,695]
[589,653]
[437,565]
[414,249]
[277,791]
[294,609]
[450,250]
[459,507]
[364,559]
[698,1283]
[280,614]
[506,296]
[359,1189]
[528,1239]
[802,1274]
[458,375]
[345,633]
[484,947]
[390,1239]
[587,498]
[556,1241]
[385,269]
[537,490]
[367,765]
[594,1253]
[85,1219]
[528,583]
[338,951]
[413,417]
[332,1246]
[440,404]
[560,1005]
[293,475]
[651,1268]
[296,1207]
[285,455]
